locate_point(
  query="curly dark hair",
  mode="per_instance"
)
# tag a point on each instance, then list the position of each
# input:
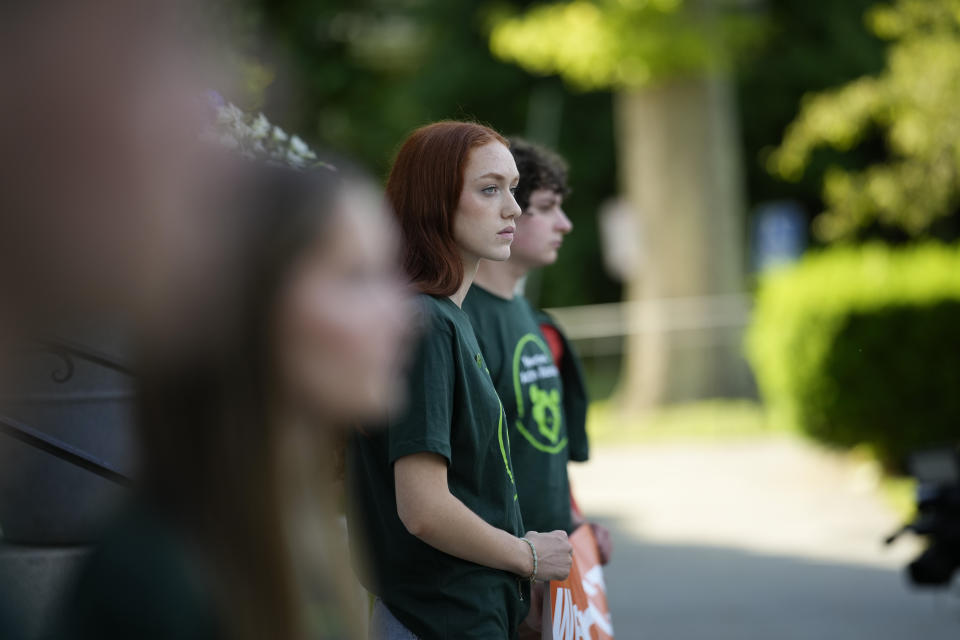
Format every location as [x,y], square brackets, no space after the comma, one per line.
[540,168]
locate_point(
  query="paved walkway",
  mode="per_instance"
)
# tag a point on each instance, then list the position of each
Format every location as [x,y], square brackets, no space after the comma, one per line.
[756,540]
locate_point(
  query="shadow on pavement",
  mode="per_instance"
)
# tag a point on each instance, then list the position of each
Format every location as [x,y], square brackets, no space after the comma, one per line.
[660,591]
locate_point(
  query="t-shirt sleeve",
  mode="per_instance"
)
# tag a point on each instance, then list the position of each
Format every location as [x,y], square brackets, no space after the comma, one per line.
[424,424]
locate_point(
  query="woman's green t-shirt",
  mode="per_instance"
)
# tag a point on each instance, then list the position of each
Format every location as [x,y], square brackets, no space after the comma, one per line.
[142,581]
[529,382]
[452,410]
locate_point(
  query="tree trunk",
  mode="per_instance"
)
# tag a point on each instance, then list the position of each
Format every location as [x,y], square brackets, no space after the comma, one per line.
[680,169]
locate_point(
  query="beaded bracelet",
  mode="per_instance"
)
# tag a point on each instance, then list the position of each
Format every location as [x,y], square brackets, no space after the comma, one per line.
[536,561]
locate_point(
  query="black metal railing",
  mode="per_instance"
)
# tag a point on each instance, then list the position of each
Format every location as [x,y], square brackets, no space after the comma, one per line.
[17,430]
[60,449]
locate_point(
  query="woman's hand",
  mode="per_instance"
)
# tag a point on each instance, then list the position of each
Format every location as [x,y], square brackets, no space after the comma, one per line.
[554,554]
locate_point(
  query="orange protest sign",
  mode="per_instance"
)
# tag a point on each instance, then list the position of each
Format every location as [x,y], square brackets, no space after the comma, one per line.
[578,605]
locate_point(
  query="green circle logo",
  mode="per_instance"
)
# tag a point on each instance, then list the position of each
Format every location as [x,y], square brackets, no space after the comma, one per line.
[536,385]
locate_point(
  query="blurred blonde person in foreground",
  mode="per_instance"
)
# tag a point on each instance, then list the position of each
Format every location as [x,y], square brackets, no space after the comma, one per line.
[234,534]
[103,178]
[102,221]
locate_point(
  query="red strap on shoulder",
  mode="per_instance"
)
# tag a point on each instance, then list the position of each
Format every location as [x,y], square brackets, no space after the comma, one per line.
[554,341]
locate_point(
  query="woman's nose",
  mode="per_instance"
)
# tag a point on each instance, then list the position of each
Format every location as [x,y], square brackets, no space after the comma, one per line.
[513,208]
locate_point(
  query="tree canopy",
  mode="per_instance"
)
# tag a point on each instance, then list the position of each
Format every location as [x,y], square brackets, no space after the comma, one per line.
[911,104]
[357,75]
[602,44]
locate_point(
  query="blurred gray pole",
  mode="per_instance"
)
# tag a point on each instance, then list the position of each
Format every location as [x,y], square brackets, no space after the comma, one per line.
[679,160]
[544,118]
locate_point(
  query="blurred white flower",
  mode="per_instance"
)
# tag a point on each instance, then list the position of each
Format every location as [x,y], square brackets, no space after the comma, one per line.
[299,146]
[261,126]
[229,114]
[255,137]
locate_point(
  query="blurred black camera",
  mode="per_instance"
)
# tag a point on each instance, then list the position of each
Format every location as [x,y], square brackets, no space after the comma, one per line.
[938,516]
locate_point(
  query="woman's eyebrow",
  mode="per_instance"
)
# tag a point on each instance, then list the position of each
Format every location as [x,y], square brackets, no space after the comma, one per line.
[494,175]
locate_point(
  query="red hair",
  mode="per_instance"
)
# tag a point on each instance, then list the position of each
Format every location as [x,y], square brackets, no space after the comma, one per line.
[424,190]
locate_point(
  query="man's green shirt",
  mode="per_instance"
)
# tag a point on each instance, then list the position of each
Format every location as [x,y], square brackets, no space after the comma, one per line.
[530,386]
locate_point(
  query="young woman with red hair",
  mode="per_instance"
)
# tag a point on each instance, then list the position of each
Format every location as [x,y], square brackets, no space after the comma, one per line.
[433,498]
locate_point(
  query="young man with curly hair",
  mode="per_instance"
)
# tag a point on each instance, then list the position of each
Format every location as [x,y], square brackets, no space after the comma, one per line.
[534,369]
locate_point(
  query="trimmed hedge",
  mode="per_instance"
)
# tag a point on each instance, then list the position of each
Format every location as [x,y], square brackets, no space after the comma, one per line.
[862,346]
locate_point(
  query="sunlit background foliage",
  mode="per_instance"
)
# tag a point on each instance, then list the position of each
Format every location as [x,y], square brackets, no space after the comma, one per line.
[357,75]
[912,105]
[625,43]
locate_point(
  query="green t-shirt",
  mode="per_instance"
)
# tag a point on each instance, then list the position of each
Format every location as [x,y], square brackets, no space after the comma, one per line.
[529,383]
[140,582]
[452,410]
[145,580]
[9,624]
